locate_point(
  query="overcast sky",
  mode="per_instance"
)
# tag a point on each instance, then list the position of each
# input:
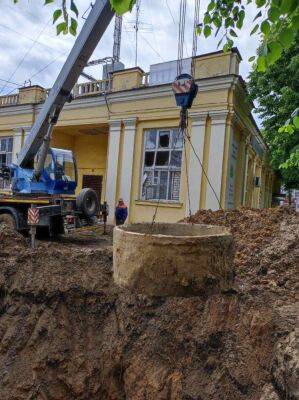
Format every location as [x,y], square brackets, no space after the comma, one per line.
[30,49]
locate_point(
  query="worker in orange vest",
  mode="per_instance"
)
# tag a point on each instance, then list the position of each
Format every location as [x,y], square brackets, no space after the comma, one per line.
[121,212]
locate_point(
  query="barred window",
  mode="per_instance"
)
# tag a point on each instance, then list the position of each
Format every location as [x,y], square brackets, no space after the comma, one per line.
[6,144]
[162,161]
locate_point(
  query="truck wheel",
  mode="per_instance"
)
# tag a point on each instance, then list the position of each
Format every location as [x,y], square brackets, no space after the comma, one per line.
[8,220]
[87,202]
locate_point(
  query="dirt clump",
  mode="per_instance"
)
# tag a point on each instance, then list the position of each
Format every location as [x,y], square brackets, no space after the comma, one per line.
[67,332]
[10,239]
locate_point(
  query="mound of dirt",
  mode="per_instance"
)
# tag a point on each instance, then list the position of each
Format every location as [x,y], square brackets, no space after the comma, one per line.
[10,240]
[67,332]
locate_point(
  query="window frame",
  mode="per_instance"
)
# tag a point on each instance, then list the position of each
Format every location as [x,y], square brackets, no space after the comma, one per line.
[158,169]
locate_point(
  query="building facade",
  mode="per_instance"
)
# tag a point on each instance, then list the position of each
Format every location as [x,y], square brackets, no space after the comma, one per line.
[125,137]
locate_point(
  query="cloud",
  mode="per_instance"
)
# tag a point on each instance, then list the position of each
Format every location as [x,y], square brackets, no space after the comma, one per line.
[29,47]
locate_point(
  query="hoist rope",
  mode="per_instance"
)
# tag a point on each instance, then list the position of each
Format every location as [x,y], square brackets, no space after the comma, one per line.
[181,37]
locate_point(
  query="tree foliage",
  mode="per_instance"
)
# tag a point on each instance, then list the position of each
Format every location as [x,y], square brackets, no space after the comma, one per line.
[277,94]
[277,22]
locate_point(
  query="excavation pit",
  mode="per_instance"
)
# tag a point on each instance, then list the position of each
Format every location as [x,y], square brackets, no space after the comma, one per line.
[167,259]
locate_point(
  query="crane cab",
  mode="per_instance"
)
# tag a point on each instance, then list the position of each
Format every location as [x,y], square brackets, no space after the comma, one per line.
[59,175]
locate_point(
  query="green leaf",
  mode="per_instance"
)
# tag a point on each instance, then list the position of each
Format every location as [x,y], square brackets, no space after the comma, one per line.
[217,22]
[207,31]
[230,43]
[74,8]
[211,6]
[228,22]
[261,64]
[233,33]
[62,27]
[254,29]
[226,48]
[286,37]
[260,3]
[251,59]
[263,50]
[265,28]
[235,10]
[258,15]
[296,122]
[198,30]
[286,6]
[56,15]
[295,22]
[289,129]
[207,18]
[241,19]
[274,53]
[48,1]
[273,14]
[73,27]
[122,6]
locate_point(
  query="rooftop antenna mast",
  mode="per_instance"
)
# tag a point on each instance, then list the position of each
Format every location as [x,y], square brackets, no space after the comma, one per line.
[116,49]
[117,37]
[136,27]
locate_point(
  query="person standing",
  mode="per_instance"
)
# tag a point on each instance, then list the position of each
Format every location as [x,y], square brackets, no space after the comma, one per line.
[121,212]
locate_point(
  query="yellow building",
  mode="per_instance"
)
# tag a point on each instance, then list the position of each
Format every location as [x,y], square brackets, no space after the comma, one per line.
[124,134]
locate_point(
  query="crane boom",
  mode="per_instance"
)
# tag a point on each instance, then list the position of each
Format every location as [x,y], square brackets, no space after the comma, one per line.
[90,35]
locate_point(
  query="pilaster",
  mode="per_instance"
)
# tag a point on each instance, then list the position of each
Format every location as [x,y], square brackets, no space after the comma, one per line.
[112,166]
[216,158]
[127,160]
[17,143]
[19,138]
[26,133]
[195,169]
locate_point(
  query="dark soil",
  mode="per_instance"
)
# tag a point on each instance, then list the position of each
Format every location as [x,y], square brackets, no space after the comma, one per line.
[67,332]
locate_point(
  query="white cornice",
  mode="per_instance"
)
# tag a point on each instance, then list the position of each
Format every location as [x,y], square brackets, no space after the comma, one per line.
[19,109]
[148,92]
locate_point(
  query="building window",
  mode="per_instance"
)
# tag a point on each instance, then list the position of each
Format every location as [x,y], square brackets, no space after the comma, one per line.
[5,157]
[162,162]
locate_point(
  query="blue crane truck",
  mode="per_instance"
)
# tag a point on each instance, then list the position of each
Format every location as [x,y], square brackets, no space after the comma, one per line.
[43,181]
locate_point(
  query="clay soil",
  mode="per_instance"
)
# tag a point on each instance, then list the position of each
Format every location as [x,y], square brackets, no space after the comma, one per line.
[67,332]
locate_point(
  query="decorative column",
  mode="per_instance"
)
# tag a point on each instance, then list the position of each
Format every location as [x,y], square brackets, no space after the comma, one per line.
[216,157]
[112,166]
[194,168]
[17,143]
[254,189]
[27,130]
[127,160]
[20,136]
[245,175]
